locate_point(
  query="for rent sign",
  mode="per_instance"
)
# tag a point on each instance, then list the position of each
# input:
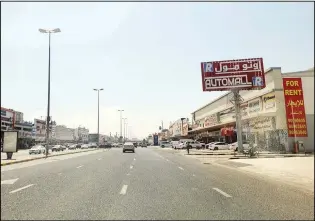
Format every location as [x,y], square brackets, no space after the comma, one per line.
[294,104]
[243,74]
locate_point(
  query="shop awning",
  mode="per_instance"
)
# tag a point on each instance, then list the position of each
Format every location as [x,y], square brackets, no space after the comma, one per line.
[227,131]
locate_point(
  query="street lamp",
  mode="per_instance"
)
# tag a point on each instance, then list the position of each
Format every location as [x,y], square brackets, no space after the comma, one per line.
[120,122]
[124,119]
[98,114]
[49,31]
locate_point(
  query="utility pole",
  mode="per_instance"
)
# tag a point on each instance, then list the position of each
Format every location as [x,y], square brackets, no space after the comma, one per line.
[124,138]
[236,100]
[98,114]
[49,31]
[120,123]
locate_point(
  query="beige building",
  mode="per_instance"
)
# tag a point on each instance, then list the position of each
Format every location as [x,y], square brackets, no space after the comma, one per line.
[263,111]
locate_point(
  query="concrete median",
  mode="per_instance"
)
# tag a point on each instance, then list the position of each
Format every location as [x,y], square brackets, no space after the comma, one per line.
[9,162]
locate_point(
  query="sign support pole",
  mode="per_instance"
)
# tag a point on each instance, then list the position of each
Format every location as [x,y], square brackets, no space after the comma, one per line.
[238,116]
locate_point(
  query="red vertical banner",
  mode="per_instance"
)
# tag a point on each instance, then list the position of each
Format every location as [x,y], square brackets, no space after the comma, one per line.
[294,105]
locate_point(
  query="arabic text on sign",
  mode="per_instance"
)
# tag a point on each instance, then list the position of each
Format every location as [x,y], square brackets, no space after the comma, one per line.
[238,66]
[298,103]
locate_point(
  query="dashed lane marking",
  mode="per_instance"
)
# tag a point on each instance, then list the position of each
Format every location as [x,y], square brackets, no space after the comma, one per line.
[222,192]
[79,166]
[180,168]
[22,188]
[124,190]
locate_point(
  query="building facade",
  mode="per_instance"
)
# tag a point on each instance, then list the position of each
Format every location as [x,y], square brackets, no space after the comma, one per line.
[81,134]
[64,133]
[263,115]
[179,128]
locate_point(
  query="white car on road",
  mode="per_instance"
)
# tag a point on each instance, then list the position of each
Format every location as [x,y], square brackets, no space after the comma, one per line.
[165,144]
[219,146]
[38,149]
[128,146]
[234,146]
[84,146]
[195,144]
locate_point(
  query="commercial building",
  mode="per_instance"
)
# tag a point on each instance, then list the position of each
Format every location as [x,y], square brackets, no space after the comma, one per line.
[179,128]
[264,115]
[81,134]
[64,134]
[7,119]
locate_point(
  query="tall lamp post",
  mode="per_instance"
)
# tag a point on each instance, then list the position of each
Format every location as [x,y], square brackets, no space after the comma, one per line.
[98,114]
[124,119]
[49,32]
[120,123]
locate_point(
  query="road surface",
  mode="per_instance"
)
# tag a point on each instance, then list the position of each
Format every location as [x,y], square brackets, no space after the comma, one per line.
[148,184]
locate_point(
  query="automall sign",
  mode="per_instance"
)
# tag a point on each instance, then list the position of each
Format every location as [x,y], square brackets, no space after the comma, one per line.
[294,105]
[243,74]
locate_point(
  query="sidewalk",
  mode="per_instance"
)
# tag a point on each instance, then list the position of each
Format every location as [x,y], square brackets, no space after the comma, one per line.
[23,156]
[297,171]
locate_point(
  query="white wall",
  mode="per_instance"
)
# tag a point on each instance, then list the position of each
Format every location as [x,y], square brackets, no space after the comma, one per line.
[308,91]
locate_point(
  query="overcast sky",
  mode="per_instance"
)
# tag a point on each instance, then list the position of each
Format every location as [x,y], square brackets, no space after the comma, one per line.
[146,56]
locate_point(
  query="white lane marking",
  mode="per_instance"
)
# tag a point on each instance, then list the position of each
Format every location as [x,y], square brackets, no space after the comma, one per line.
[194,175]
[181,168]
[134,158]
[79,166]
[167,160]
[131,167]
[124,190]
[223,193]
[22,188]
[12,181]
[99,158]
[59,173]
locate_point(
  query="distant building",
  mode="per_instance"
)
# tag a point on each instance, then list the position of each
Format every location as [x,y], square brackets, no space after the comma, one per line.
[19,117]
[64,133]
[81,134]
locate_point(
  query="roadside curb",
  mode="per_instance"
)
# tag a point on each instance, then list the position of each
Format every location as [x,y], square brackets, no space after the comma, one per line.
[37,158]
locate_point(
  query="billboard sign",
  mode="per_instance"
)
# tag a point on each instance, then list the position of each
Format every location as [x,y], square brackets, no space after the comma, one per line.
[40,128]
[10,141]
[242,74]
[294,105]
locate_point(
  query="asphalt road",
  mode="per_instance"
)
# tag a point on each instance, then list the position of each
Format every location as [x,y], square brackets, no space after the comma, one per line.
[148,184]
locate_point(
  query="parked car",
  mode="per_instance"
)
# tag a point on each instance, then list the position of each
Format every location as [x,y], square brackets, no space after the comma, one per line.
[195,144]
[165,144]
[219,146]
[234,146]
[38,149]
[174,143]
[84,146]
[63,147]
[56,148]
[208,145]
[128,146]
[72,147]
